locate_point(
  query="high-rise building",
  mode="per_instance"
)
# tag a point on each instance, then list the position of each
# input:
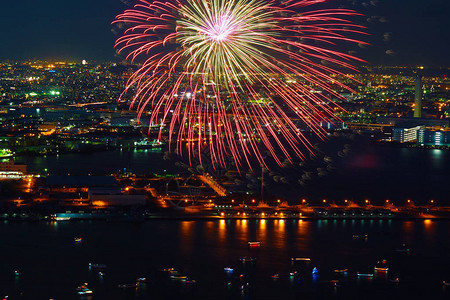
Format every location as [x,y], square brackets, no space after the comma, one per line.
[418,98]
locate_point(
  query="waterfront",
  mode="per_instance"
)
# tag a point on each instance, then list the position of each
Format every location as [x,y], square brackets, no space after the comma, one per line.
[373,172]
[52,265]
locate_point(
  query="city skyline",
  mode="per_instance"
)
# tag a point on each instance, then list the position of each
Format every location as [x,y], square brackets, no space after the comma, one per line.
[401,32]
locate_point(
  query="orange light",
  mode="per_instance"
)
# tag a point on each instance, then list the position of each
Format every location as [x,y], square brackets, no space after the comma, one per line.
[304,200]
[253,200]
[262,214]
[409,200]
[367,201]
[222,214]
[324,201]
[345,201]
[432,201]
[243,214]
[278,200]
[387,200]
[281,214]
[232,201]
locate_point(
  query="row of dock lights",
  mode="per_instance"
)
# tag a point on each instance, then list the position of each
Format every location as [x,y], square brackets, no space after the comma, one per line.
[366,201]
[282,215]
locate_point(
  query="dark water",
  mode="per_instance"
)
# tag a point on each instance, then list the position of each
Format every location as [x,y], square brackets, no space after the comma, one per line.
[371,172]
[380,172]
[100,163]
[51,265]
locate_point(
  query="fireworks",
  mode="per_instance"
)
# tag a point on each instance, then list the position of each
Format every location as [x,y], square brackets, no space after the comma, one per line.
[234,76]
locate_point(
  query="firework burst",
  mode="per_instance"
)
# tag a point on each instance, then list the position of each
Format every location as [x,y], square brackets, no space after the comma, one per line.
[235,76]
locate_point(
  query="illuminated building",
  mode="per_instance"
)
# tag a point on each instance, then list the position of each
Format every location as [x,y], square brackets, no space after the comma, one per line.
[405,135]
[434,137]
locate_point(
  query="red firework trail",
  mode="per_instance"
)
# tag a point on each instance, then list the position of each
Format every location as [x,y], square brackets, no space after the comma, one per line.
[233,75]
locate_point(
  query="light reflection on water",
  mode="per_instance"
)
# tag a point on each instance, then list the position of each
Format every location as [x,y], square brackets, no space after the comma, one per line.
[202,249]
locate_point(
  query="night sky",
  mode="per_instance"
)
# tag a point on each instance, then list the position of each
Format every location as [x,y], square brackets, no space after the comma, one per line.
[403,32]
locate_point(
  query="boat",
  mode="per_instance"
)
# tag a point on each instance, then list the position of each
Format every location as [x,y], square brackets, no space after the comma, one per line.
[141,279]
[403,249]
[78,240]
[247,259]
[254,244]
[101,273]
[276,276]
[228,270]
[16,273]
[315,271]
[380,269]
[364,275]
[445,283]
[360,236]
[97,266]
[341,271]
[170,271]
[83,290]
[146,144]
[127,285]
[395,280]
[293,274]
[178,277]
[334,282]
[300,259]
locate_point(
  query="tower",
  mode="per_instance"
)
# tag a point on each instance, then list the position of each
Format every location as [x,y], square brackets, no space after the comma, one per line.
[418,98]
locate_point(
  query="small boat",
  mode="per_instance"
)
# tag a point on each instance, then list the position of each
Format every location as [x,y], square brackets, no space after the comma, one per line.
[360,236]
[228,270]
[171,271]
[395,280]
[403,249]
[127,285]
[445,283]
[178,277]
[247,259]
[97,266]
[78,240]
[293,274]
[334,282]
[364,275]
[276,276]
[341,271]
[141,279]
[315,271]
[254,244]
[380,269]
[101,273]
[300,259]
[83,290]
[16,273]
[146,144]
